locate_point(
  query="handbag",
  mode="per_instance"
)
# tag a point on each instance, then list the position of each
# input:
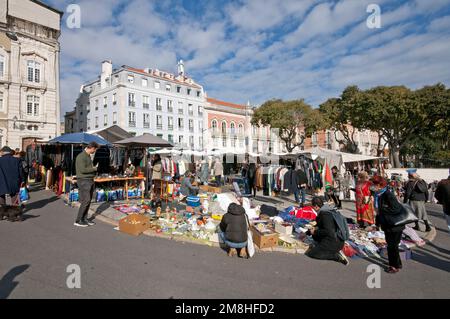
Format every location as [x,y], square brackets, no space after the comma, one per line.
[250,244]
[407,216]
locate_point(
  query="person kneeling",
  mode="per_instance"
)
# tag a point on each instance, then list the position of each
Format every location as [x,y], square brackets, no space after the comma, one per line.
[234,230]
[328,245]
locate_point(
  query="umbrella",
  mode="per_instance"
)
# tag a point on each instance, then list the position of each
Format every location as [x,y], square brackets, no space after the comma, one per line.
[145,140]
[78,138]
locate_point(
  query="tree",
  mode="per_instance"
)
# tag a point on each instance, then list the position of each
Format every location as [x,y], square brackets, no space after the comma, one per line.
[288,117]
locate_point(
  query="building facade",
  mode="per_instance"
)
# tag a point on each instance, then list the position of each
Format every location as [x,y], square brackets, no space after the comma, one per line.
[144,101]
[29,72]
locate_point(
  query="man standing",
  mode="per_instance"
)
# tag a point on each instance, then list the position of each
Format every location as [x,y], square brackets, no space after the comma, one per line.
[218,171]
[10,179]
[302,181]
[416,192]
[443,196]
[86,172]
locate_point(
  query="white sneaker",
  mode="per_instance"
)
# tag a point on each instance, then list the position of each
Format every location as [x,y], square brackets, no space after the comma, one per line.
[343,258]
[81,224]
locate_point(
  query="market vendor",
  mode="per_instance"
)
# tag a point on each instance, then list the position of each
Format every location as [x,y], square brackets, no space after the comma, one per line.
[329,245]
[187,189]
[234,230]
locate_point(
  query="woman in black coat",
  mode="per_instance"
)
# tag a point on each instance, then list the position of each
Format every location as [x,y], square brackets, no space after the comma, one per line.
[387,204]
[10,176]
[234,230]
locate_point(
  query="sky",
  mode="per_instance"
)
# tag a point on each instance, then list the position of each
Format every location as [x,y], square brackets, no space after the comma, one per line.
[257,50]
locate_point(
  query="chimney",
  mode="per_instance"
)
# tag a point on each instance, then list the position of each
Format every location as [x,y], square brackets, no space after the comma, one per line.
[106,73]
[181,70]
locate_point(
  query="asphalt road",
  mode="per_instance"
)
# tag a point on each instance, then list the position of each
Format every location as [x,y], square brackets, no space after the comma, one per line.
[35,254]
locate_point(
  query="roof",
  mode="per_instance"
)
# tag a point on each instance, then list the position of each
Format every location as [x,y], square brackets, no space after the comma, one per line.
[145,140]
[47,6]
[160,77]
[228,104]
[112,134]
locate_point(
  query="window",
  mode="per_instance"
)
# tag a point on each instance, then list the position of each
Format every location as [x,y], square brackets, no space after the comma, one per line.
[144,82]
[1,101]
[189,91]
[199,93]
[241,142]
[178,89]
[191,109]
[240,129]
[114,117]
[160,135]
[158,104]
[224,128]
[200,110]
[200,142]
[2,65]
[233,128]
[130,79]
[191,126]
[96,105]
[168,87]
[105,102]
[233,142]
[88,124]
[159,124]
[214,126]
[105,120]
[34,72]
[255,131]
[157,85]
[145,102]
[114,101]
[200,126]
[170,138]
[170,123]
[224,141]
[180,108]
[180,124]
[131,99]
[33,105]
[191,141]
[180,139]
[146,120]
[96,122]
[131,119]
[169,106]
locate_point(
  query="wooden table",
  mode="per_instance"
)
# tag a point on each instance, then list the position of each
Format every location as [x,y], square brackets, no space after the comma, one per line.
[113,179]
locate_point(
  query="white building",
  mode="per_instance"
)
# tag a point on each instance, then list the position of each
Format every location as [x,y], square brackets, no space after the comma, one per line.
[29,72]
[144,101]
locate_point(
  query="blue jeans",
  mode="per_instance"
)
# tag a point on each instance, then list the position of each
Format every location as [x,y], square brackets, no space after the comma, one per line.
[246,186]
[297,195]
[219,180]
[230,244]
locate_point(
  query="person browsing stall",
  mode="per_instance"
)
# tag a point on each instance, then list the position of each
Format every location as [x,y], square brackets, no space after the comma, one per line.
[187,189]
[86,172]
[328,244]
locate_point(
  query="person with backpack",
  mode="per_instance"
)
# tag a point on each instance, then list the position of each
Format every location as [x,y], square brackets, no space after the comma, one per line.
[416,192]
[330,233]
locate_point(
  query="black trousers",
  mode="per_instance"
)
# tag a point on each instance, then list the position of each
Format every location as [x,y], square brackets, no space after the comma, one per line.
[336,200]
[219,180]
[252,186]
[393,240]
[85,191]
[317,252]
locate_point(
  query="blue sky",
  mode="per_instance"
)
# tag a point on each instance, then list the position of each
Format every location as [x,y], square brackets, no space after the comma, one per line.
[257,50]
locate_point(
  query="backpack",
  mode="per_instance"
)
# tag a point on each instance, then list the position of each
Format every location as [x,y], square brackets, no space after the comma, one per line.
[342,231]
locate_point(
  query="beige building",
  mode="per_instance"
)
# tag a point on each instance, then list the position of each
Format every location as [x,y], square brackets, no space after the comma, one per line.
[29,72]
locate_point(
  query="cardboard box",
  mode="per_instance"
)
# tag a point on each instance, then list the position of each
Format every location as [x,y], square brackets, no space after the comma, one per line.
[215,190]
[134,224]
[264,240]
[284,229]
[204,188]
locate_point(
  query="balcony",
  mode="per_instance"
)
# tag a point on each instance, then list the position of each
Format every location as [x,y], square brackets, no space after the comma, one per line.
[131,103]
[146,106]
[132,124]
[159,127]
[114,122]
[146,125]
[191,113]
[170,127]
[191,129]
[170,109]
[42,84]
[181,128]
[158,107]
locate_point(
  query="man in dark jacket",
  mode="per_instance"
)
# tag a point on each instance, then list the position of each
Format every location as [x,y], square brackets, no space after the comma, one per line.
[443,196]
[329,245]
[416,192]
[86,172]
[187,189]
[301,181]
[11,177]
[234,230]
